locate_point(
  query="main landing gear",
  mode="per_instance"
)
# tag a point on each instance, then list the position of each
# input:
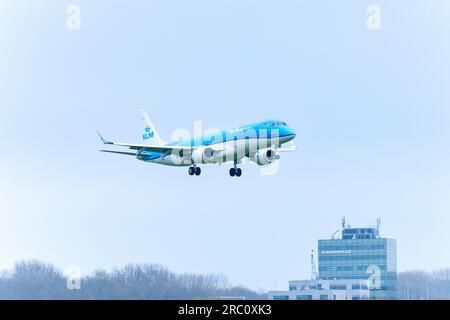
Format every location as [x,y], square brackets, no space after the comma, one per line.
[235,172]
[194,170]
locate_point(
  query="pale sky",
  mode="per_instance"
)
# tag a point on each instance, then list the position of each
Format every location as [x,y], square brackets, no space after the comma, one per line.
[370,107]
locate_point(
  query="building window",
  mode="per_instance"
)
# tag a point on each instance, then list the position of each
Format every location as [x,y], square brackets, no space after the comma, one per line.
[362,268]
[280,297]
[323,297]
[292,288]
[338,287]
[304,297]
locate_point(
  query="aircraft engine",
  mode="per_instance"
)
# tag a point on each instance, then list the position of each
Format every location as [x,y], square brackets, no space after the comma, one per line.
[265,156]
[203,155]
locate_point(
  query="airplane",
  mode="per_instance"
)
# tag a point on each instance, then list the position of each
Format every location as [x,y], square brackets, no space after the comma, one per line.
[261,142]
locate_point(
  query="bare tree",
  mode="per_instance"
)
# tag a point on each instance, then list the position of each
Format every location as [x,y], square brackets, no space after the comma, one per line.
[421,285]
[38,280]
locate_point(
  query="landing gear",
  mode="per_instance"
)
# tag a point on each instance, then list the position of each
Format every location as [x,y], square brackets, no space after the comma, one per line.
[235,172]
[194,170]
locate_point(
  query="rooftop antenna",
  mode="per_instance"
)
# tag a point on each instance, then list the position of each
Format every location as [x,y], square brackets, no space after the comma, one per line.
[313,267]
[333,236]
[378,227]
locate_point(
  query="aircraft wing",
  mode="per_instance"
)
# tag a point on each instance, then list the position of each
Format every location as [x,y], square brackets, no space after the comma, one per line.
[286,149]
[290,146]
[143,147]
[120,152]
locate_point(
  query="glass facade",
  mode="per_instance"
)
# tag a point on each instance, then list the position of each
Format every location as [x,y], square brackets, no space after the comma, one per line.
[361,255]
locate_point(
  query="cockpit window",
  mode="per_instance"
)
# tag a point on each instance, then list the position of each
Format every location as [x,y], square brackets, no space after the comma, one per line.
[277,124]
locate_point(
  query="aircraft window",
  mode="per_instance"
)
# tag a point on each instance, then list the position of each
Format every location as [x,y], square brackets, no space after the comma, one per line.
[273,124]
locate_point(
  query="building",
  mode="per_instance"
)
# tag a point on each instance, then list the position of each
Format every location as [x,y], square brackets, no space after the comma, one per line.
[361,253]
[357,265]
[323,290]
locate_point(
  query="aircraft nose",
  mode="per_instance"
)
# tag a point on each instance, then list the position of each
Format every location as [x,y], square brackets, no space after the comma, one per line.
[292,133]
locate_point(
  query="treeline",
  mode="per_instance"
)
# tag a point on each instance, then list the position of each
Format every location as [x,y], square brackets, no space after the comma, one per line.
[422,285]
[38,280]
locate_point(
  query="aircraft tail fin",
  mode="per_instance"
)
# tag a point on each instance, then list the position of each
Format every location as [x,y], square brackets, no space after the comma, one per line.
[150,135]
